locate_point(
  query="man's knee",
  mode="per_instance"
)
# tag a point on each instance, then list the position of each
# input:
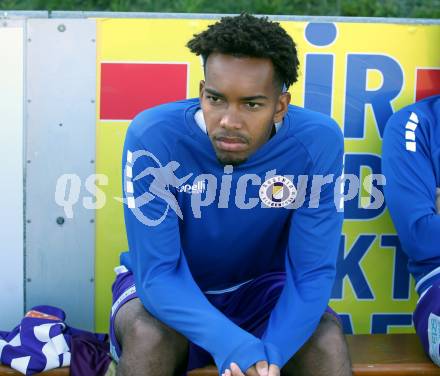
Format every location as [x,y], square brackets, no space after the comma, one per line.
[325,353]
[142,336]
[149,338]
[329,339]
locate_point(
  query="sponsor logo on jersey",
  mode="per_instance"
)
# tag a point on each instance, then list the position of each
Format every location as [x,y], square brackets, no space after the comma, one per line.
[277,192]
[198,188]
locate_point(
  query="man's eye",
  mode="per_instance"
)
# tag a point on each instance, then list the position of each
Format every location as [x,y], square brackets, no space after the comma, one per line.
[253,105]
[213,98]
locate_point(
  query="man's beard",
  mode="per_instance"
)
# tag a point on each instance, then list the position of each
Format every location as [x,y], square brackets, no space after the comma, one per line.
[227,160]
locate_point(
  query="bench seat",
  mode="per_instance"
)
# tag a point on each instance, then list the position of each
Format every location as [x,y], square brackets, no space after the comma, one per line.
[378,355]
[371,354]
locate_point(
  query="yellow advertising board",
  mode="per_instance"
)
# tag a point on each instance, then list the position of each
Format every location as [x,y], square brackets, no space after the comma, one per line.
[358,73]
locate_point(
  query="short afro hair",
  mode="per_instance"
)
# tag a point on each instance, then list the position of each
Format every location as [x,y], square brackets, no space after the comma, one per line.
[250,36]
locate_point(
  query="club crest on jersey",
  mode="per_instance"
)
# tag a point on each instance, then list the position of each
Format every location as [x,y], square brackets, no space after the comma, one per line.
[277,192]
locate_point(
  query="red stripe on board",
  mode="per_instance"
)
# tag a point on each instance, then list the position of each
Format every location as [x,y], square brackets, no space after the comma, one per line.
[427,83]
[127,88]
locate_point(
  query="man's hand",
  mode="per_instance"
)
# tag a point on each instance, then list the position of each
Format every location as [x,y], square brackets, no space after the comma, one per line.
[259,369]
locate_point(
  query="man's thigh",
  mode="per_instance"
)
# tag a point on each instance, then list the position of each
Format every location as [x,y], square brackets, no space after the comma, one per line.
[132,317]
[325,353]
[146,343]
[138,341]
[128,315]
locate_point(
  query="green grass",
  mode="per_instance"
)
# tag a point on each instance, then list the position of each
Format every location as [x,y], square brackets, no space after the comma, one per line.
[359,8]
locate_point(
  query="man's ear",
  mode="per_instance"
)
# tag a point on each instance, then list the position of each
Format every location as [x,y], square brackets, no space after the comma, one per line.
[201,88]
[282,107]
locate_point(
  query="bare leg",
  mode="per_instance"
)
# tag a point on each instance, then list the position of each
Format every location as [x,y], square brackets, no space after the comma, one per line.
[324,354]
[148,346]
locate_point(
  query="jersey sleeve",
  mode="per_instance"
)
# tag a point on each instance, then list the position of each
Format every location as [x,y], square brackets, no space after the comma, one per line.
[410,189]
[163,279]
[314,237]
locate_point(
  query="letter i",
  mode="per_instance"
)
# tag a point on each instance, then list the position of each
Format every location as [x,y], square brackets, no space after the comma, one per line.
[319,68]
[225,188]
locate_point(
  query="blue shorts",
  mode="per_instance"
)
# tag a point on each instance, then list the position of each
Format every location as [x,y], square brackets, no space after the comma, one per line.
[427,321]
[249,306]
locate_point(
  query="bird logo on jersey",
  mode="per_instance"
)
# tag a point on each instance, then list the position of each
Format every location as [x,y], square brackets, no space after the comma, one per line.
[162,178]
[277,192]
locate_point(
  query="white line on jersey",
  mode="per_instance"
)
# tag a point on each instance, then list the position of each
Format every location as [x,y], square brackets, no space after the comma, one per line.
[410,133]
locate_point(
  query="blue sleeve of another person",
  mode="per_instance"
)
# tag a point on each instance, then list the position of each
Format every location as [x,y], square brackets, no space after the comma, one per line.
[410,189]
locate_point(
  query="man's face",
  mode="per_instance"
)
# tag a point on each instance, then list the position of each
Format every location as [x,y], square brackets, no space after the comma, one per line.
[240,103]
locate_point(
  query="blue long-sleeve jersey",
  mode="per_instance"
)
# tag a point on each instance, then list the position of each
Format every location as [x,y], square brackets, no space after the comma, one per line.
[194,226]
[411,164]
